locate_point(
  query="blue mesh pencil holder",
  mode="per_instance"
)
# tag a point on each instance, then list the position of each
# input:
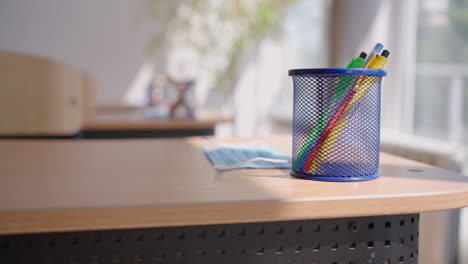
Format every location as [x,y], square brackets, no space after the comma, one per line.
[336,123]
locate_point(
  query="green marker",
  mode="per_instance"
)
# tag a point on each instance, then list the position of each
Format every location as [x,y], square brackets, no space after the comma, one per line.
[343,84]
[346,80]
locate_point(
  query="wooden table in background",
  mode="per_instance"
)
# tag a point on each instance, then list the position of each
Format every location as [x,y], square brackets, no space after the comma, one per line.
[160,201]
[128,122]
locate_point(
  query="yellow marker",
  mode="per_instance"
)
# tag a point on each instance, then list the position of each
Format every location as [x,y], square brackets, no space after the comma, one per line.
[378,62]
[362,88]
[371,62]
[363,84]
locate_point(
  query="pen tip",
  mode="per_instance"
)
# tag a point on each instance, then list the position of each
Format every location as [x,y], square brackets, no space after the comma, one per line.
[363,55]
[385,53]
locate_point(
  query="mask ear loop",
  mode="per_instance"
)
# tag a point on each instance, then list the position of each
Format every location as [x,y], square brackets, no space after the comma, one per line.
[217,143]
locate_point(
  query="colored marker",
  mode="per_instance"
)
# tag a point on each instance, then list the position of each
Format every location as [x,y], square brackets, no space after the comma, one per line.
[379,61]
[376,51]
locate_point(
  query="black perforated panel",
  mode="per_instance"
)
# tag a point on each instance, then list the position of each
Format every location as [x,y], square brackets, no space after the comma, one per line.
[373,240]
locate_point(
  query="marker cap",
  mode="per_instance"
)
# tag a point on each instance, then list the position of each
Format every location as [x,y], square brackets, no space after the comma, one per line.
[385,53]
[378,47]
[363,55]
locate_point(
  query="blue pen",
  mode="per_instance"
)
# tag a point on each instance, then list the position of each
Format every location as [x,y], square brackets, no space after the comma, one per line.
[376,51]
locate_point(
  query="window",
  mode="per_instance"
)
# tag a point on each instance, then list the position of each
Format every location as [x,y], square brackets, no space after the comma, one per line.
[441,95]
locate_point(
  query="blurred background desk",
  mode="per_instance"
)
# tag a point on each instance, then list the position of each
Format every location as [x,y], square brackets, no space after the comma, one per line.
[120,121]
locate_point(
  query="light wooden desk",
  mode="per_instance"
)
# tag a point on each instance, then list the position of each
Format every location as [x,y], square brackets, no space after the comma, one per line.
[160,201]
[127,122]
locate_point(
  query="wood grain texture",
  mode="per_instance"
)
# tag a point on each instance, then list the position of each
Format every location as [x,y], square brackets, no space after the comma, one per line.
[39,96]
[86,185]
[129,118]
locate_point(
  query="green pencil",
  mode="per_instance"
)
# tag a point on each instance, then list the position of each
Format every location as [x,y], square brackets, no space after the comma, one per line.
[343,84]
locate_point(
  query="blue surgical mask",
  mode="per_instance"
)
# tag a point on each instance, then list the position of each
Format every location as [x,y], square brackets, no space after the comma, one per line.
[252,155]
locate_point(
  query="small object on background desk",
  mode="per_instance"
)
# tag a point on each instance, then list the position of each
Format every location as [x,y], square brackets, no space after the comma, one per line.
[181,108]
[158,104]
[157,90]
[251,155]
[169,99]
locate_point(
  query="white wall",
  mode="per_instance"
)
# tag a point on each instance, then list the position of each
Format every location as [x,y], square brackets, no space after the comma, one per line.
[105,38]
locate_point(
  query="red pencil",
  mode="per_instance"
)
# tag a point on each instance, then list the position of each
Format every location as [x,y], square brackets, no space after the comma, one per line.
[328,130]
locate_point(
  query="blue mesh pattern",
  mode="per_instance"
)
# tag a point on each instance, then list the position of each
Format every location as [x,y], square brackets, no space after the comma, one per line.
[336,127]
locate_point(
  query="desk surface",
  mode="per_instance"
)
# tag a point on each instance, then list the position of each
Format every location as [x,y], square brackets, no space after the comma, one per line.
[63,185]
[128,118]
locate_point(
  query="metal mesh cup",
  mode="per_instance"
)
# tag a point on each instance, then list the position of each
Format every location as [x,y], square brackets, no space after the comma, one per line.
[336,124]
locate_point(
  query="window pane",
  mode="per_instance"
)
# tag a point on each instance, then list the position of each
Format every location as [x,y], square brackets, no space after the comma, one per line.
[443,31]
[442,57]
[431,109]
[465,113]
